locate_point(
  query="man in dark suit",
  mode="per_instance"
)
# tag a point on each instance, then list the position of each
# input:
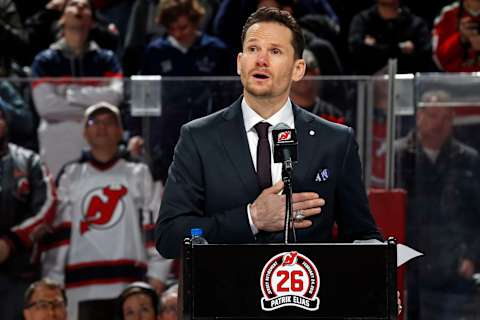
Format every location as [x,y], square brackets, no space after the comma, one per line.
[218,180]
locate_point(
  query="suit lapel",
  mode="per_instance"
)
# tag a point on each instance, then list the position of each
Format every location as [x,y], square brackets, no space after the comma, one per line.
[232,134]
[306,143]
[234,138]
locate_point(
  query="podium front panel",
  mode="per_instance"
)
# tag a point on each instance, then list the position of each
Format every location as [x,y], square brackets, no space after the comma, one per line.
[349,281]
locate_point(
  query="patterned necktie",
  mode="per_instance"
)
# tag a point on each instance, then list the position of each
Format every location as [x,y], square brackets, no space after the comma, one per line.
[264,171]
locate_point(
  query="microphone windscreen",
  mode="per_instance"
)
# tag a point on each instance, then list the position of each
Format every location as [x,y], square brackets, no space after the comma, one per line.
[281,126]
[284,143]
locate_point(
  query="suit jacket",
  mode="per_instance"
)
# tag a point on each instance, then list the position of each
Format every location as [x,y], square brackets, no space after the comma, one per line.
[212,180]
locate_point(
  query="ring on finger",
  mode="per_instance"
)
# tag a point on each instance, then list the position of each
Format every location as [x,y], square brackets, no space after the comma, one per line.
[299,216]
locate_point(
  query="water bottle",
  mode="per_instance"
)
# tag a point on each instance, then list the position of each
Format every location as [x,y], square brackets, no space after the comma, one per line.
[197,236]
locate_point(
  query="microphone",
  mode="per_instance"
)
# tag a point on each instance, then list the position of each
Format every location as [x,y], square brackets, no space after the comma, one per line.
[285,152]
[284,144]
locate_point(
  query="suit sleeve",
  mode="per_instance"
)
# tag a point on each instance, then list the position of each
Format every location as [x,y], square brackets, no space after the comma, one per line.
[355,222]
[183,205]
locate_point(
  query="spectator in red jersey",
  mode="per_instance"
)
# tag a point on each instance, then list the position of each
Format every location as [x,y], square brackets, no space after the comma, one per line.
[456,38]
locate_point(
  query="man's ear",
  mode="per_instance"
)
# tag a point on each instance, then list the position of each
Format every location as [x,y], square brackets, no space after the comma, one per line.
[239,57]
[299,68]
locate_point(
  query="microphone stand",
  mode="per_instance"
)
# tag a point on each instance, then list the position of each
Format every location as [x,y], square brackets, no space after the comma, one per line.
[287,169]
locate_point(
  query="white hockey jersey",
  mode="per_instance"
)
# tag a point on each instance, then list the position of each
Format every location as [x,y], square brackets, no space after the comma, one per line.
[102,231]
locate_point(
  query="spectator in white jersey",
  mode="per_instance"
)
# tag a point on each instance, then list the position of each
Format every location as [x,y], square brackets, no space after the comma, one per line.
[102,238]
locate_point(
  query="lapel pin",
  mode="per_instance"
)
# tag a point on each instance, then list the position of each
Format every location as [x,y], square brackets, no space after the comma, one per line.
[311,132]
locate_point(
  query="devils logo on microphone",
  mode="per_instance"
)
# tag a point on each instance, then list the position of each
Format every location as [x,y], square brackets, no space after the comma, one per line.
[284,136]
[284,143]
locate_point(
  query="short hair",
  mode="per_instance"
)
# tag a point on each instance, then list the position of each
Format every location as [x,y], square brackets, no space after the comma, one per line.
[46,283]
[137,288]
[284,18]
[433,98]
[170,10]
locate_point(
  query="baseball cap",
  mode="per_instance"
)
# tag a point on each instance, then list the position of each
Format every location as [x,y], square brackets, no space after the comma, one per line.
[102,107]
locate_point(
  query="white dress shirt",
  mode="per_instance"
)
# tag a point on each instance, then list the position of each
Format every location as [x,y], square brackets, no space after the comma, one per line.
[250,119]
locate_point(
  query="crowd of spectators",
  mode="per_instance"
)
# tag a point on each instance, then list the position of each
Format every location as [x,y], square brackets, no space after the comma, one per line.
[77,52]
[364,35]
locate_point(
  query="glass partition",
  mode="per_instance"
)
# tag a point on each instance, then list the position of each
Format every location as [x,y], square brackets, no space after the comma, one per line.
[375,163]
[437,164]
[160,106]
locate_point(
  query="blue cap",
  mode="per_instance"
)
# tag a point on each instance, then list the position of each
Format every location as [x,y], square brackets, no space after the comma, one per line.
[196,232]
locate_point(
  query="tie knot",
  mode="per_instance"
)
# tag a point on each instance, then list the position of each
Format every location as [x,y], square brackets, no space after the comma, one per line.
[262,129]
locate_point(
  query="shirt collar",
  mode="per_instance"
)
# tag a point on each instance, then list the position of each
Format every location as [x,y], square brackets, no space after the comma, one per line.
[62,45]
[251,118]
[174,43]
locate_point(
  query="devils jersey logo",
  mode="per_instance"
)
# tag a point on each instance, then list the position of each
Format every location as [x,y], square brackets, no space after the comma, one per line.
[102,208]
